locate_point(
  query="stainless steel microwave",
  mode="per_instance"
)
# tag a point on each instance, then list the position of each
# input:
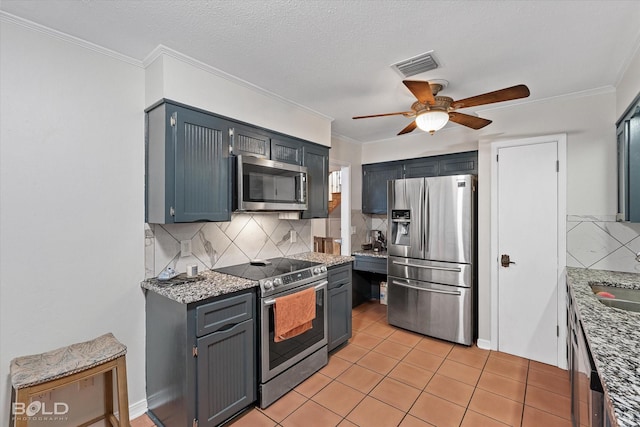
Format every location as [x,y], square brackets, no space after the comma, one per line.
[267,185]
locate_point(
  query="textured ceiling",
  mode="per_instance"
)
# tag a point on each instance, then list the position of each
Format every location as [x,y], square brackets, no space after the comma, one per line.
[334,56]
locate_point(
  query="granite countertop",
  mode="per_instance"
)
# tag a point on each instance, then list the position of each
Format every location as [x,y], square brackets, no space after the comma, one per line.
[614,340]
[210,283]
[371,253]
[207,284]
[327,259]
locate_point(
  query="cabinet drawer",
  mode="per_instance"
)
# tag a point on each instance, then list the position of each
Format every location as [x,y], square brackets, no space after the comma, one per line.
[373,264]
[339,275]
[229,311]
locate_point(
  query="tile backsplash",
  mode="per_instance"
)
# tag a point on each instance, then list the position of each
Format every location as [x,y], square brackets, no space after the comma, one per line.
[220,244]
[600,243]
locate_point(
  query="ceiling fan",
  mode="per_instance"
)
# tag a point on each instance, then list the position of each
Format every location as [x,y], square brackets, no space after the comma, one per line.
[432,112]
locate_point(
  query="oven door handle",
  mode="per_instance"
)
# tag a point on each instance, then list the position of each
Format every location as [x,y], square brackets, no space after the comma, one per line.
[273,300]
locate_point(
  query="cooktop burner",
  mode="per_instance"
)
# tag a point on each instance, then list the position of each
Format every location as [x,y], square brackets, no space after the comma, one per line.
[274,267]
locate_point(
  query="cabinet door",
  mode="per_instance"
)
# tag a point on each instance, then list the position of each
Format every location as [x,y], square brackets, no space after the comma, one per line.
[459,164]
[202,166]
[339,315]
[420,168]
[316,159]
[250,142]
[374,186]
[286,150]
[226,373]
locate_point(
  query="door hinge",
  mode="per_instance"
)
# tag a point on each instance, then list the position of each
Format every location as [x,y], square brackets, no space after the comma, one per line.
[195,351]
[195,423]
[497,155]
[557,165]
[173,120]
[557,330]
[172,211]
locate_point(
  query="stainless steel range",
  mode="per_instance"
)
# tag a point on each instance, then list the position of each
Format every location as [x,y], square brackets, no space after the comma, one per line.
[285,364]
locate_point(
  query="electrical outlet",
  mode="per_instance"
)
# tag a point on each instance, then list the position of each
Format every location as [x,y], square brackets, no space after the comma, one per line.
[87,382]
[293,236]
[185,248]
[353,229]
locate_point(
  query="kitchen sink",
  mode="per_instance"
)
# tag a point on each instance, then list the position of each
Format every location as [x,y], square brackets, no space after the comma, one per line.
[625,299]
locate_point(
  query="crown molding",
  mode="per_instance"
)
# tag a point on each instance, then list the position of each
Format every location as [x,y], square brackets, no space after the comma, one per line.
[13,19]
[161,50]
[627,63]
[572,95]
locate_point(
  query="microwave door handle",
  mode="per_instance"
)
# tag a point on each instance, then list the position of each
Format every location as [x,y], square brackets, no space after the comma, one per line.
[303,182]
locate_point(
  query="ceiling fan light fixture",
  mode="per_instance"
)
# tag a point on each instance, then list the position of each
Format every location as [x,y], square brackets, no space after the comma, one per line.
[432,120]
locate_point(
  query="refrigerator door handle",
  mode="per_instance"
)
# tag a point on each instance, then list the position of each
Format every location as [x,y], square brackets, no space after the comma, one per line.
[427,234]
[421,234]
[435,291]
[428,267]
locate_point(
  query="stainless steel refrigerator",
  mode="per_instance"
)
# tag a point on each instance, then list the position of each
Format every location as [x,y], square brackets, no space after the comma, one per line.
[431,247]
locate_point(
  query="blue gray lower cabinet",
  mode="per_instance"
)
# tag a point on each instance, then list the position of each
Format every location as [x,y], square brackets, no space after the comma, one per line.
[339,306]
[200,359]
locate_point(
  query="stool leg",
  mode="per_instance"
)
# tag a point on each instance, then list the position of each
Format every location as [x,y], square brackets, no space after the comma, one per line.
[123,396]
[108,394]
[22,396]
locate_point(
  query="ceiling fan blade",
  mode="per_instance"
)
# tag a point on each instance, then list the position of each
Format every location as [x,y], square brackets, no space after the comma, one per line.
[421,90]
[410,128]
[468,121]
[507,94]
[400,113]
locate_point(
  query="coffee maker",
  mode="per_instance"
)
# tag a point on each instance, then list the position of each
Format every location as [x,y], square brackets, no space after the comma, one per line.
[378,241]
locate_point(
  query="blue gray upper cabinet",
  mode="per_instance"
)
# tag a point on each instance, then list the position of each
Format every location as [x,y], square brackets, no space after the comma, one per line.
[187,166]
[287,150]
[374,185]
[250,141]
[316,159]
[376,175]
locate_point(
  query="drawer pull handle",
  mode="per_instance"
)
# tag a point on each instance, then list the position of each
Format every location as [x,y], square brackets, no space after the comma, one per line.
[435,291]
[428,267]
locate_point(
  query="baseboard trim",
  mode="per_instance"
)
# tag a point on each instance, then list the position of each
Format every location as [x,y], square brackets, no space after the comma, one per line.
[138,409]
[484,344]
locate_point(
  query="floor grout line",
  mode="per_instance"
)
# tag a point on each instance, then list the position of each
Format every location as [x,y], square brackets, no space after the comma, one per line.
[490,355]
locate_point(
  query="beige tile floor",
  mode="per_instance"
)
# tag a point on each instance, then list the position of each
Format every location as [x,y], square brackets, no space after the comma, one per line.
[388,377]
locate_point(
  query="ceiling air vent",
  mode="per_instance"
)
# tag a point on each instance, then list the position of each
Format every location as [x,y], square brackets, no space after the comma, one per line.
[416,65]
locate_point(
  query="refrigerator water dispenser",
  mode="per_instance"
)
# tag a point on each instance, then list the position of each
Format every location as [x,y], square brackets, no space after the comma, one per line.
[401,227]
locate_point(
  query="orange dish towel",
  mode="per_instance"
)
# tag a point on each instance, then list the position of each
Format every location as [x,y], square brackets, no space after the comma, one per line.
[294,314]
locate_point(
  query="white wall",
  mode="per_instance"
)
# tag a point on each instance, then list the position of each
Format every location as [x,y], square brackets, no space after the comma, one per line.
[629,85]
[71,197]
[185,80]
[452,138]
[589,121]
[344,150]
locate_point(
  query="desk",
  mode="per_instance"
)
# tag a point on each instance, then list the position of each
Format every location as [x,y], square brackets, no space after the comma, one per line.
[369,269]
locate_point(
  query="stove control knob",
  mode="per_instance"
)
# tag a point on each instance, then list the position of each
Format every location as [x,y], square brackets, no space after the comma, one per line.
[316,270]
[323,268]
[268,285]
[277,282]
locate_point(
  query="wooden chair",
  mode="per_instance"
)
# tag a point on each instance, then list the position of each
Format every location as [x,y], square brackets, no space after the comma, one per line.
[39,373]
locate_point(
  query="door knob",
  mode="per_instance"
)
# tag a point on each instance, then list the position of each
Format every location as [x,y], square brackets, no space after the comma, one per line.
[505,260]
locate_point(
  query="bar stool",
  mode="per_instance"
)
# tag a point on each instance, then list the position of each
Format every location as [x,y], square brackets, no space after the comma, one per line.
[39,373]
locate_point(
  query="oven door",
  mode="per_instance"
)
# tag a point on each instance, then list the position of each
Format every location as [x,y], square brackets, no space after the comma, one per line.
[277,357]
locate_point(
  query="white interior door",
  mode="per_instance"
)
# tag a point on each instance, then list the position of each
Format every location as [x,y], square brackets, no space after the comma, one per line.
[528,233]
